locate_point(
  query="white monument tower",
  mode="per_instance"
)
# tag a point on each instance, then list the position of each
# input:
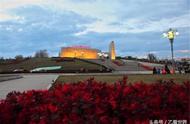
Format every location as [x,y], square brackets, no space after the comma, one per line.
[112,51]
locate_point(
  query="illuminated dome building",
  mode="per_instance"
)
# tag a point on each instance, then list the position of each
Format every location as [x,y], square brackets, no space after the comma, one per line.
[82,52]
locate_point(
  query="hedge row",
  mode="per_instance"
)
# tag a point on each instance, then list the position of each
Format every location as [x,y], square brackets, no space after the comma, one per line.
[92,102]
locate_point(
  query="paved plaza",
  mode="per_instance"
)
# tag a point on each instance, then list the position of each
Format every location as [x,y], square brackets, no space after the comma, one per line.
[28,82]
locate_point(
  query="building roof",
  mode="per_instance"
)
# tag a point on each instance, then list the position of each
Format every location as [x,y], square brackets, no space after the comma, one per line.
[81,47]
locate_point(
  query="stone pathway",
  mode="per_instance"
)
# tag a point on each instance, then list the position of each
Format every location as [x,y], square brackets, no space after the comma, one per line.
[28,82]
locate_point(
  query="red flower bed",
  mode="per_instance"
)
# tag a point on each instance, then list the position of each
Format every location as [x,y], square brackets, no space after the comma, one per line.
[94,102]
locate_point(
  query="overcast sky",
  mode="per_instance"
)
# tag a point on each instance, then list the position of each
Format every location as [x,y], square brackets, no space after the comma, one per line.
[136,26]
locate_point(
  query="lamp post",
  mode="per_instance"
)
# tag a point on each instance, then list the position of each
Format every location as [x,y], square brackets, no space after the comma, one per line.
[171,34]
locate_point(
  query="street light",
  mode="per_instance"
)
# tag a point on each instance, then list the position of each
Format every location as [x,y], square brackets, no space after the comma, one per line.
[171,34]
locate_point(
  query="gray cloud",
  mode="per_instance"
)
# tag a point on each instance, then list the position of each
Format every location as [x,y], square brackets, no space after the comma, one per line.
[135,26]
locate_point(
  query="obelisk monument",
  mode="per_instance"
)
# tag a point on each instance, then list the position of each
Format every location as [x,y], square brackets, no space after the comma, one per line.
[112,51]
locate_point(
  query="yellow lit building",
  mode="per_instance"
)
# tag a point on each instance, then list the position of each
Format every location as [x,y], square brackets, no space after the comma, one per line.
[79,52]
[84,52]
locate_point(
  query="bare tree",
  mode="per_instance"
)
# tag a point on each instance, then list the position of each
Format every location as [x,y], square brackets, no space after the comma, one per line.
[41,54]
[152,57]
[2,59]
[19,57]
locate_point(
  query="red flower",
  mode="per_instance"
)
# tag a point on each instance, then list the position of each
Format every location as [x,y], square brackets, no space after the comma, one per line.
[113,103]
[95,102]
[134,106]
[127,90]
[105,120]
[52,108]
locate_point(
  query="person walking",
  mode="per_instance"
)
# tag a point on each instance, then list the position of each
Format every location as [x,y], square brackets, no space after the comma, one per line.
[158,71]
[167,69]
[154,70]
[163,71]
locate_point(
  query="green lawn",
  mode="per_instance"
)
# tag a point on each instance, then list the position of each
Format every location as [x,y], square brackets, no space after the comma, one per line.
[178,78]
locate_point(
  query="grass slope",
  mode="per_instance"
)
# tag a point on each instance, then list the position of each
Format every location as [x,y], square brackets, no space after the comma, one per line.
[44,62]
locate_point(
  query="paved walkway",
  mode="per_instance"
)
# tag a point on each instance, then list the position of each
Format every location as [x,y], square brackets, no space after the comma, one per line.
[43,81]
[28,82]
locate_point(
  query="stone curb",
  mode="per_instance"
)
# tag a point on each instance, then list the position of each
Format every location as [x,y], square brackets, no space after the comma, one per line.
[53,81]
[12,77]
